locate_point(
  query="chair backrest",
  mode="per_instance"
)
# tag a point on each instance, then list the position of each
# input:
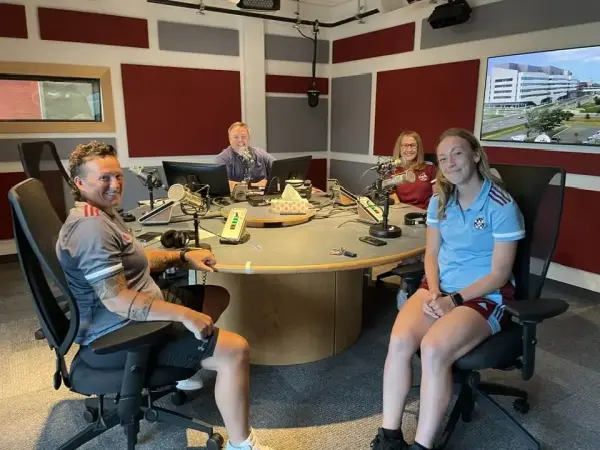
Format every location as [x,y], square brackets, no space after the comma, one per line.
[539,192]
[36,227]
[41,160]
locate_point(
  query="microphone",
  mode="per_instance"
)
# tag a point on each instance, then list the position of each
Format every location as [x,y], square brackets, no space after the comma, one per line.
[180,193]
[149,178]
[406,177]
[389,165]
[247,155]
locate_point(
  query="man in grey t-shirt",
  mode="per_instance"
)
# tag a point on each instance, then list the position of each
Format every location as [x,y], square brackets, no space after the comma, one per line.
[244,163]
[108,273]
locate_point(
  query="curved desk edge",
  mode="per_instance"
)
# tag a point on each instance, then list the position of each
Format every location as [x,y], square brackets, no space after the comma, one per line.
[345,264]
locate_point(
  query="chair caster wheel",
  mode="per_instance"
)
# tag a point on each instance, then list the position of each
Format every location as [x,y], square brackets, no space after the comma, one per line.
[90,415]
[178,398]
[215,442]
[521,406]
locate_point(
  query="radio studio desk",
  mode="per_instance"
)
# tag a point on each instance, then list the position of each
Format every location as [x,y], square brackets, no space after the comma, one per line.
[290,298]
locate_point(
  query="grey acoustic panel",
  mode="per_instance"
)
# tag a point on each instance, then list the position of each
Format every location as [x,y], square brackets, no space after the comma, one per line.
[64,146]
[293,126]
[292,48]
[351,114]
[510,17]
[183,37]
[349,174]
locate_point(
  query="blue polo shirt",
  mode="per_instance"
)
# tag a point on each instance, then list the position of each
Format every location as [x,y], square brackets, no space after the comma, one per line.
[468,237]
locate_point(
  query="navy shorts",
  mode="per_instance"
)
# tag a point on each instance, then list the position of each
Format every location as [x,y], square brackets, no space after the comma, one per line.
[180,348]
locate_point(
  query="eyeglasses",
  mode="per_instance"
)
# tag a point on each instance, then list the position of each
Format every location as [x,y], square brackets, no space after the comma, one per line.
[415,145]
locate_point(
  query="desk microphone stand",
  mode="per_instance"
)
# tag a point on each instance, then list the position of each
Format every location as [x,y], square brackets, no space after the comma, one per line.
[152,183]
[384,229]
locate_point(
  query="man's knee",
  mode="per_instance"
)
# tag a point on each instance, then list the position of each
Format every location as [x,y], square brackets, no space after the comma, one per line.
[233,347]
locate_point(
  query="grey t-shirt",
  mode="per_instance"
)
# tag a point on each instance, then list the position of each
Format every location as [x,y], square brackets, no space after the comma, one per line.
[236,166]
[92,246]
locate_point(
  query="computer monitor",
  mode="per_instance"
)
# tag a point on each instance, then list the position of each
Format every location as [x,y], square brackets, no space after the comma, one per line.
[287,169]
[197,175]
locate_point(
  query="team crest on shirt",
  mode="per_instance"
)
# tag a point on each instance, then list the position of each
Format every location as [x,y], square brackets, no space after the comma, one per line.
[423,177]
[479,223]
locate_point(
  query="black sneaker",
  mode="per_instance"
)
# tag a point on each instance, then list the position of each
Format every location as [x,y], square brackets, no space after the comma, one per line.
[384,443]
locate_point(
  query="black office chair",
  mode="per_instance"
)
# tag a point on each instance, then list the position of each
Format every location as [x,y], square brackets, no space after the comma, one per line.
[32,155]
[137,385]
[539,193]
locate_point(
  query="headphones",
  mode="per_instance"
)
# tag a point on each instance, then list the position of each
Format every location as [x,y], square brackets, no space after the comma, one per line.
[179,239]
[415,218]
[175,239]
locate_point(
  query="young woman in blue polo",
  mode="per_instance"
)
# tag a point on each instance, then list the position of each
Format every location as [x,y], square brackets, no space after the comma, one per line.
[473,226]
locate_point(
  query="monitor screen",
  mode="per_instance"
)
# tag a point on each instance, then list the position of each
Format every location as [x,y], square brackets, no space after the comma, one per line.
[197,176]
[548,97]
[287,169]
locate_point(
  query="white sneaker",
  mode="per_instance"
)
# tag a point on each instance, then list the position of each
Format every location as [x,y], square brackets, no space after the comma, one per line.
[193,383]
[249,444]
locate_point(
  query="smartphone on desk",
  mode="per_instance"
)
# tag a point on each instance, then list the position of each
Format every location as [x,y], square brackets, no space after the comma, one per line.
[371,240]
[148,237]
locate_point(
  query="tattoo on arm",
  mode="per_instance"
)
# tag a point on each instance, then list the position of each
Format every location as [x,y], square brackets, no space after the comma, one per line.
[110,287]
[140,307]
[159,260]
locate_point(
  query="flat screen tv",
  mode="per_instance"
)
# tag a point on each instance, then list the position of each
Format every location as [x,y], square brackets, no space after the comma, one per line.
[546,98]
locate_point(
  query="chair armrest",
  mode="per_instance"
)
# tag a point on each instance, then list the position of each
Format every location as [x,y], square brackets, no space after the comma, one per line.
[131,336]
[408,268]
[536,310]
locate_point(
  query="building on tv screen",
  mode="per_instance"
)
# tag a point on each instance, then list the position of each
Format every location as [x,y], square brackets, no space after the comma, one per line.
[545,97]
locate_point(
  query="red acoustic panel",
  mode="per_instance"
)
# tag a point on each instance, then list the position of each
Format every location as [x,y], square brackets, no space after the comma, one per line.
[577,245]
[173,111]
[428,100]
[13,22]
[581,163]
[317,173]
[92,28]
[7,181]
[294,85]
[389,41]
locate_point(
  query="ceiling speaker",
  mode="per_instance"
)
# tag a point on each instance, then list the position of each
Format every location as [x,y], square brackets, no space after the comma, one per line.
[452,13]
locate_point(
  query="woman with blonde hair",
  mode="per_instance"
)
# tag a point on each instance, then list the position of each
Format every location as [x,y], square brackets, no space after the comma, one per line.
[409,147]
[473,226]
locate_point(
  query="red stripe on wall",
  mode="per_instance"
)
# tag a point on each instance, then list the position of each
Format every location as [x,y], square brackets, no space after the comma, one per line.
[294,85]
[13,21]
[7,181]
[427,99]
[389,41]
[317,173]
[92,28]
[580,163]
[577,245]
[174,111]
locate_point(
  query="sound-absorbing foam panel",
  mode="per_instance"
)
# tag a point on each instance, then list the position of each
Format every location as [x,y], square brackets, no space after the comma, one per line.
[92,28]
[172,111]
[13,22]
[428,100]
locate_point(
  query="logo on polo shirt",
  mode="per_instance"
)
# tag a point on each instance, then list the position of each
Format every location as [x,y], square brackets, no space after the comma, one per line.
[423,177]
[479,223]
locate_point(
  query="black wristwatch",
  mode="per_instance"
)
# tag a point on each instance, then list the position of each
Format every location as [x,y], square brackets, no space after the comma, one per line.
[456,299]
[182,255]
